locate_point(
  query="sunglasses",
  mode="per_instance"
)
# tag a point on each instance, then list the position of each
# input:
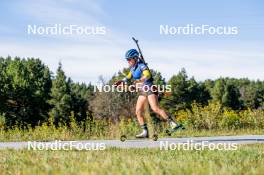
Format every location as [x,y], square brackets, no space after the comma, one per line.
[133,58]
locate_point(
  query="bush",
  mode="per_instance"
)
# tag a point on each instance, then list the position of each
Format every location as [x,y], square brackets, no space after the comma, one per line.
[214,116]
[206,117]
[252,118]
[198,118]
[2,121]
[230,120]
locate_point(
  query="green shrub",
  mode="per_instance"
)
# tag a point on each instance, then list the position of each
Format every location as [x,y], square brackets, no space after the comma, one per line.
[230,120]
[207,117]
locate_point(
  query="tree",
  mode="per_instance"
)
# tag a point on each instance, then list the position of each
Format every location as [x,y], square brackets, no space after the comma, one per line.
[179,98]
[81,96]
[231,97]
[113,105]
[218,90]
[3,84]
[61,98]
[198,92]
[226,91]
[184,92]
[25,90]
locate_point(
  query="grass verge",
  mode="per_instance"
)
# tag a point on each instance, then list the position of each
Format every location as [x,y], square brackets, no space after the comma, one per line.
[248,159]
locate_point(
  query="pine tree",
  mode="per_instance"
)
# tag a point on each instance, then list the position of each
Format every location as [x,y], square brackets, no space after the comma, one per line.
[60,98]
[180,95]
[25,86]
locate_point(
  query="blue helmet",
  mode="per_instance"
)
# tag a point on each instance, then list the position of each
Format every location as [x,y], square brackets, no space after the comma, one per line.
[131,54]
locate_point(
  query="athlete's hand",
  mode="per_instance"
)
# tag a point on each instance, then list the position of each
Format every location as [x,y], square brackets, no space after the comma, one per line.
[137,81]
[167,94]
[118,83]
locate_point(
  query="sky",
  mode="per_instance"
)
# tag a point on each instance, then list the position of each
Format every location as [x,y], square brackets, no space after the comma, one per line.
[86,57]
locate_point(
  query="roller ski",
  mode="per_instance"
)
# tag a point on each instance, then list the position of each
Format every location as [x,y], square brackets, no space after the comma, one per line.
[153,137]
[143,135]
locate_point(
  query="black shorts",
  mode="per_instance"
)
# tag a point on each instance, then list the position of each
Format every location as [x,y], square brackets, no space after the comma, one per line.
[148,91]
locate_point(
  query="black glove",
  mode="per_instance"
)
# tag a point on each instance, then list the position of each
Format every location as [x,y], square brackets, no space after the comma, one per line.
[119,82]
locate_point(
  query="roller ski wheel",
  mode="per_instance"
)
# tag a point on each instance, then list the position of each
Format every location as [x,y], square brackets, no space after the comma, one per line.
[155,137]
[123,138]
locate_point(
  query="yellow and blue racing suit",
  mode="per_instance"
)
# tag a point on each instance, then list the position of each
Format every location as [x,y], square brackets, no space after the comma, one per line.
[137,71]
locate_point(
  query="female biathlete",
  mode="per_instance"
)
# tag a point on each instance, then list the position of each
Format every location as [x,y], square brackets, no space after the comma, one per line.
[142,75]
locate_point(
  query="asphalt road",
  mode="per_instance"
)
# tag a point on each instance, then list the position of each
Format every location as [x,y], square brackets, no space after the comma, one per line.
[135,143]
